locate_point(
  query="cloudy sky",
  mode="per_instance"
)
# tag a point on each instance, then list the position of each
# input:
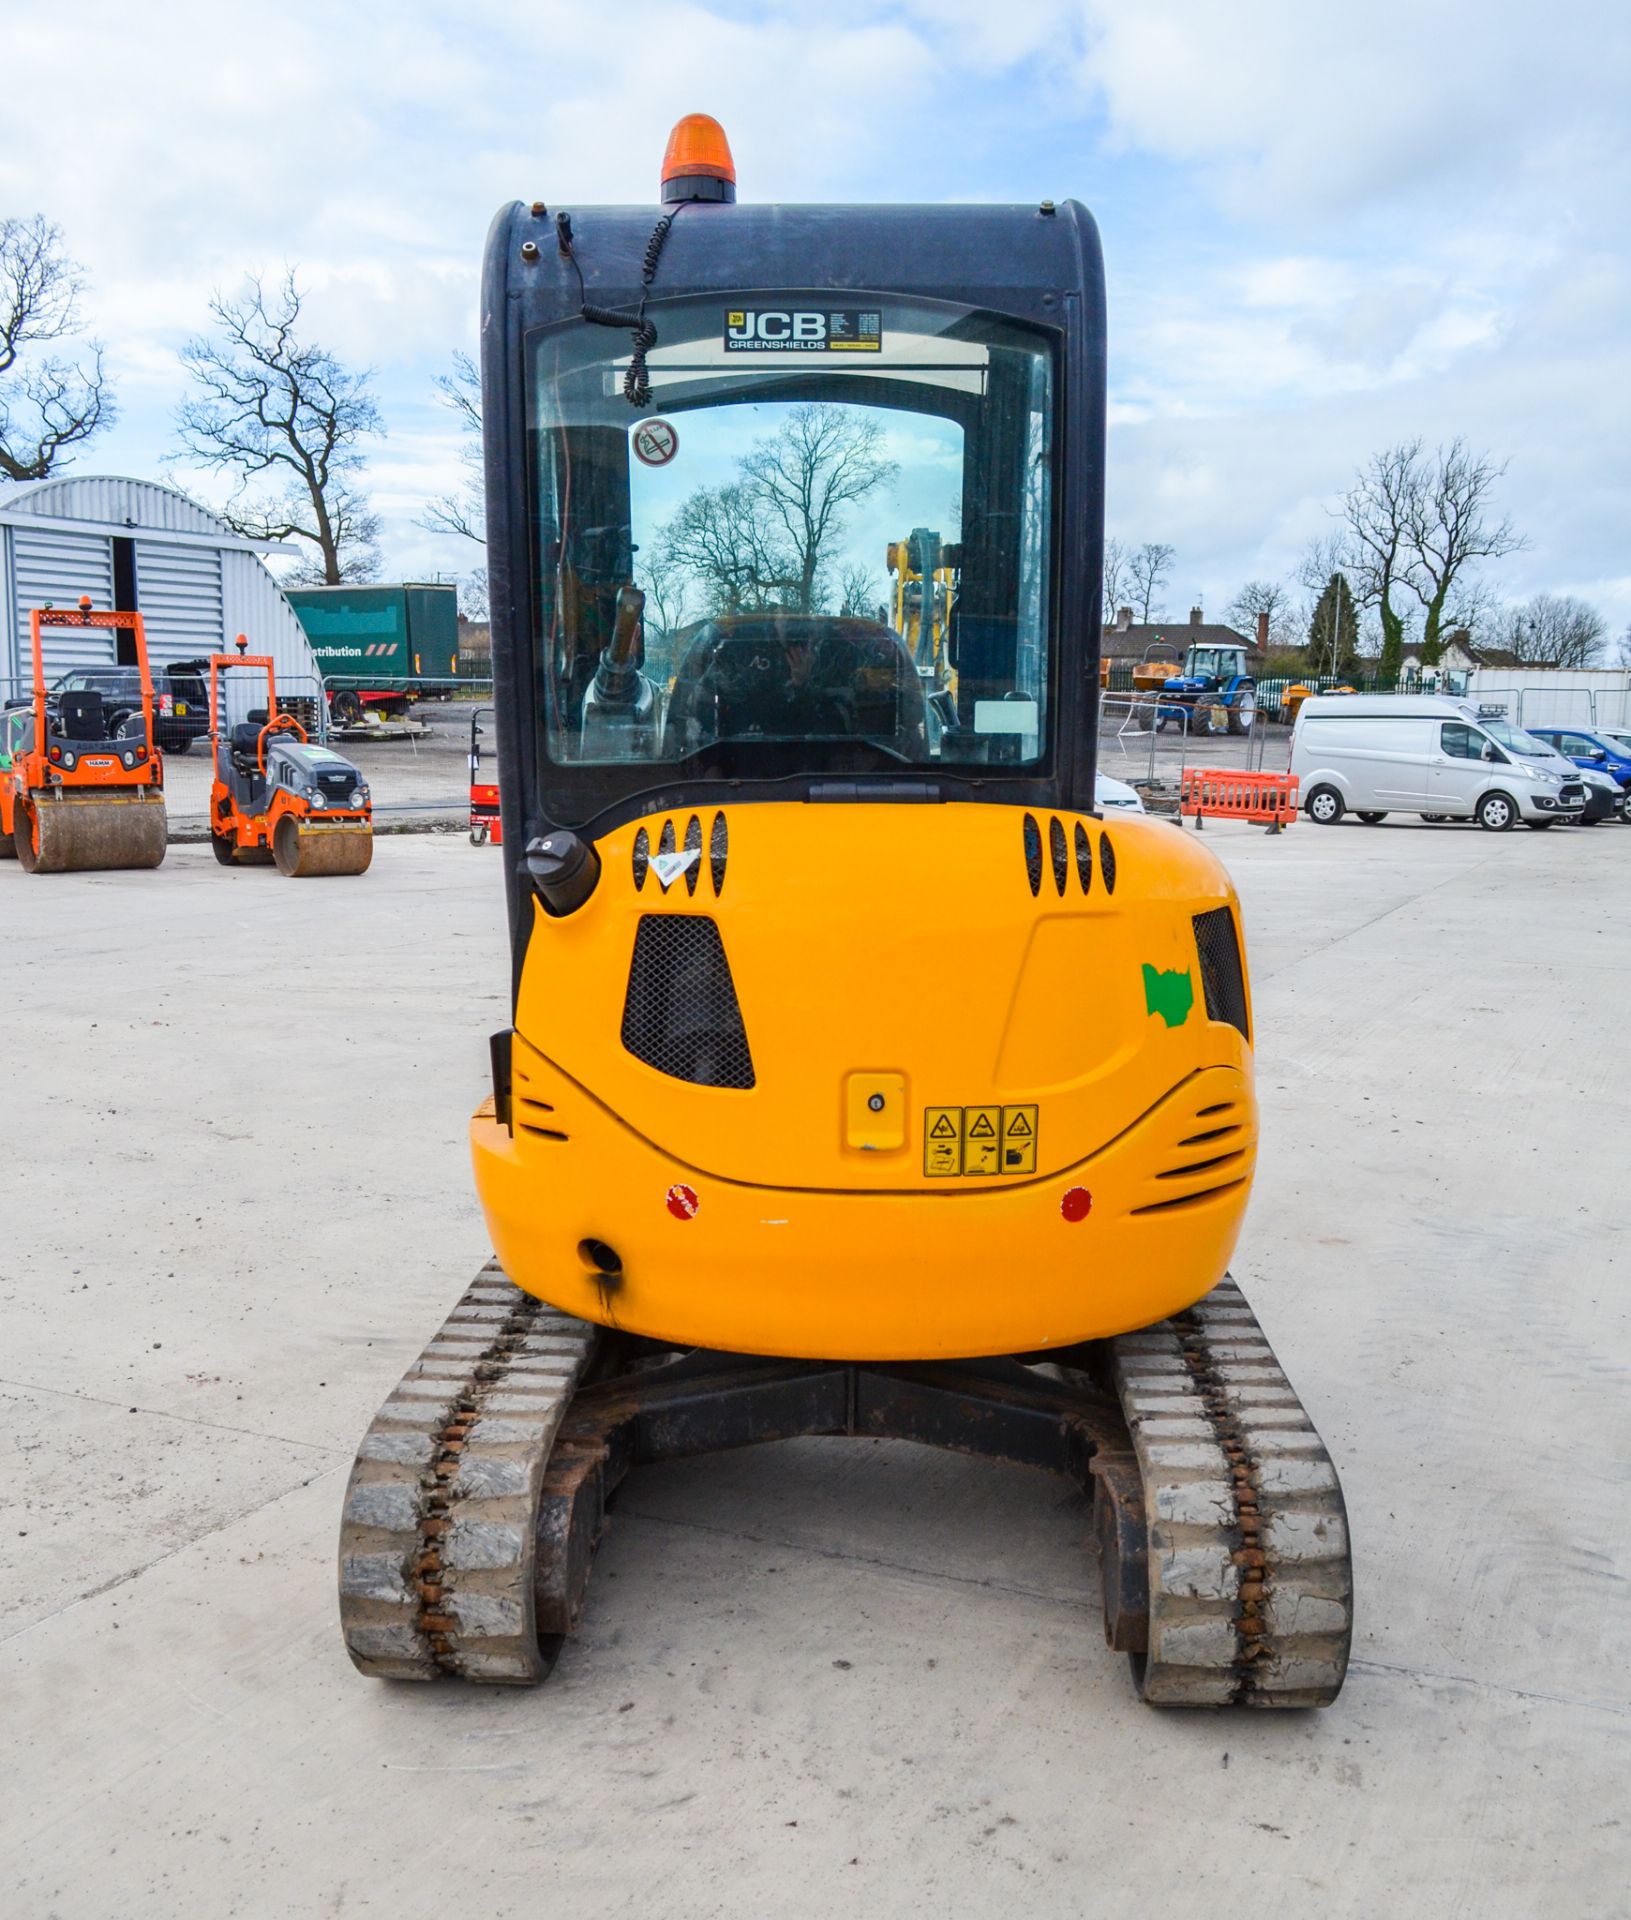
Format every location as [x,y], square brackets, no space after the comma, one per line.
[1326,227]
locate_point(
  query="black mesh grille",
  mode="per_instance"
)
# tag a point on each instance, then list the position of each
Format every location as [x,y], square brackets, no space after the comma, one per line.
[1058,853]
[1084,858]
[1107,863]
[1221,977]
[719,841]
[693,844]
[681,1015]
[642,858]
[666,843]
[1033,853]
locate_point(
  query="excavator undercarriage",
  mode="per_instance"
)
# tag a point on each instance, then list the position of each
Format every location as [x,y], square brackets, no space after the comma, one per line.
[483,1487]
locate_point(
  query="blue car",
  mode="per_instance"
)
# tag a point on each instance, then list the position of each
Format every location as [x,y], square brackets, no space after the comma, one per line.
[1589,749]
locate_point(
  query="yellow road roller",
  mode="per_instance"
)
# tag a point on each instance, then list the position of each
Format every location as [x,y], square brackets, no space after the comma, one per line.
[861,1079]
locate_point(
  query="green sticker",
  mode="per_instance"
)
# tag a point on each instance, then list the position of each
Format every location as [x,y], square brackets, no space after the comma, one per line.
[1168,994]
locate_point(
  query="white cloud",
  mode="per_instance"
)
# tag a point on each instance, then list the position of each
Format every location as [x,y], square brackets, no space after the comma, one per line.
[1326,227]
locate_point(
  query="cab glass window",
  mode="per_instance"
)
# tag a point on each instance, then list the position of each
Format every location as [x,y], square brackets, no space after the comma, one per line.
[824,546]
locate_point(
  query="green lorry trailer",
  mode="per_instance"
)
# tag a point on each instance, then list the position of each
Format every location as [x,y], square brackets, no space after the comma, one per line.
[381,649]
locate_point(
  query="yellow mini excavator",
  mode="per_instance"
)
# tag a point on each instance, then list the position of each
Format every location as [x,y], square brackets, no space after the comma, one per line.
[861,1078]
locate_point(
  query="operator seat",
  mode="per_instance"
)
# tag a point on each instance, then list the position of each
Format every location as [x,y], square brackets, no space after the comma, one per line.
[783,676]
[245,741]
[80,716]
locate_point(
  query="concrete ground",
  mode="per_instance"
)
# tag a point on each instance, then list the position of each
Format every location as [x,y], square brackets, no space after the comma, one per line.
[828,1675]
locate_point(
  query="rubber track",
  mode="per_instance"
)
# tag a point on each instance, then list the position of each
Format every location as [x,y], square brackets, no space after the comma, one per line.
[1251,1581]
[438,1540]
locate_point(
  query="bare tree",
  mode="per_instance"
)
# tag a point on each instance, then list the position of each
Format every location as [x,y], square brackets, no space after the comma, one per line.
[1118,585]
[1449,527]
[284,418]
[1553,630]
[463,512]
[1271,597]
[1379,513]
[823,459]
[667,585]
[1148,571]
[718,536]
[474,603]
[1325,554]
[859,593]
[46,405]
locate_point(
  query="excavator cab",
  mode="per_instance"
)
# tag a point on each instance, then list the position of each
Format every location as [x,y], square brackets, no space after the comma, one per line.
[860,1077]
[76,792]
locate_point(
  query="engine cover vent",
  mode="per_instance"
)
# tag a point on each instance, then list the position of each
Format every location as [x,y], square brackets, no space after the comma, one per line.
[1058,854]
[1033,853]
[1219,948]
[681,1015]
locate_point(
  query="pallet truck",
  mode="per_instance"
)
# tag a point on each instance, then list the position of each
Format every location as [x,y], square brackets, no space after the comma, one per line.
[486,823]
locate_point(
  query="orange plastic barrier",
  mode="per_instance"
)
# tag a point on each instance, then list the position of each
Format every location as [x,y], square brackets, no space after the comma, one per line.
[1228,794]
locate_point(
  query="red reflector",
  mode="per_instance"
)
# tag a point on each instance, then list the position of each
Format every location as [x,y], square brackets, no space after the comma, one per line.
[683,1201]
[1077,1204]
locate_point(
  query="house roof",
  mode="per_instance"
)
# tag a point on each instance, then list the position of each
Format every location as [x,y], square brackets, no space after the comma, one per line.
[1128,642]
[1460,645]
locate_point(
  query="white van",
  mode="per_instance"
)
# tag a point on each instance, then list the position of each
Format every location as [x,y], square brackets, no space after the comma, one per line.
[1376,754]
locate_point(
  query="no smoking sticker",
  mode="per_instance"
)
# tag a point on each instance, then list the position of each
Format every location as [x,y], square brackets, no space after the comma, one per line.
[655,443]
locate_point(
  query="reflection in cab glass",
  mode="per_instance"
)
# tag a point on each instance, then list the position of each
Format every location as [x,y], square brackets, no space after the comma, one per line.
[818,561]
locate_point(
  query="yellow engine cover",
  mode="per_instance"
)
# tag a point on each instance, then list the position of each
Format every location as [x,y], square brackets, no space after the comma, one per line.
[971,1092]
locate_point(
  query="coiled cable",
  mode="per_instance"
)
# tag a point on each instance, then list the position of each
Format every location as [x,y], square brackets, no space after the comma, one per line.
[636,378]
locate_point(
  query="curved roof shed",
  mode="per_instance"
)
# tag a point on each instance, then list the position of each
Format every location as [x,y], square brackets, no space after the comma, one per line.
[136,544]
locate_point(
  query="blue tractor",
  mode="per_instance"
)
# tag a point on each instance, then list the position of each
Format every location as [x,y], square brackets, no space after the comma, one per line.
[1213,694]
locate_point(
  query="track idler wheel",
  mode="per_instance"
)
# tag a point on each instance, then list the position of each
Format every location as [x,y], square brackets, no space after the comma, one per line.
[302,855]
[91,835]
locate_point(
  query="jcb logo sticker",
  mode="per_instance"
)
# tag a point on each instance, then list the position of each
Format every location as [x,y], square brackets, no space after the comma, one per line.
[802,330]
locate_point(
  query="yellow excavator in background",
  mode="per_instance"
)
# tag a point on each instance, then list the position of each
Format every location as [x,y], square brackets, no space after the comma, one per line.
[861,1078]
[924,556]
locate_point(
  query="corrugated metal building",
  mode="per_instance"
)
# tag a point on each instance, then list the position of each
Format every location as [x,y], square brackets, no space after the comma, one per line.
[131,544]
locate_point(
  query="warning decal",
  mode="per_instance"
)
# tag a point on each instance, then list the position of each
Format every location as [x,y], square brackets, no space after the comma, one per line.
[1019,1139]
[942,1141]
[976,1142]
[982,1139]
